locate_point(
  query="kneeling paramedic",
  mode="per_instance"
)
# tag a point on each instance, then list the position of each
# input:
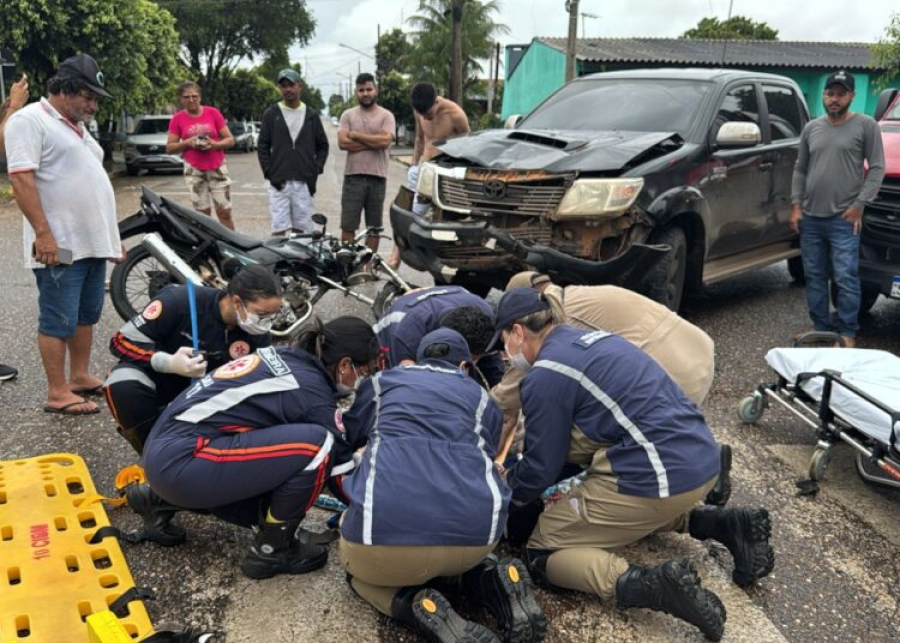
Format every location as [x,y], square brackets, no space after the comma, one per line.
[417,313]
[595,402]
[156,359]
[254,442]
[427,501]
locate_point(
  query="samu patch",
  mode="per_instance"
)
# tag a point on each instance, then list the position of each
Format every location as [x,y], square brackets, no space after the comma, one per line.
[237,368]
[238,349]
[153,310]
[589,339]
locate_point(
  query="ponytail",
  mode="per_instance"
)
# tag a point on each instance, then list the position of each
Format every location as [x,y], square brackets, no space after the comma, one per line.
[342,337]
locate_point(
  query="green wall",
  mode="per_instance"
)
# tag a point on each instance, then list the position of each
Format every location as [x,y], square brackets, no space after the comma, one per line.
[542,71]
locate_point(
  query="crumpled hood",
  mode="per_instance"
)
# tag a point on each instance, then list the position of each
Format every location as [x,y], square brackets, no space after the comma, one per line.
[554,151]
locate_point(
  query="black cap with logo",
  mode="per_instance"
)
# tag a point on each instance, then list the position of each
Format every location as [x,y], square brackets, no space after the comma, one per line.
[84,67]
[841,78]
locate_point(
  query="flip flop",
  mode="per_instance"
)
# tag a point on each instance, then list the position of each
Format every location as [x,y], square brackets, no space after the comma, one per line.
[97,390]
[65,409]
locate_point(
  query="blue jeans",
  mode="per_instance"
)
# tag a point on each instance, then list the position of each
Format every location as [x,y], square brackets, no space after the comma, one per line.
[70,296]
[830,250]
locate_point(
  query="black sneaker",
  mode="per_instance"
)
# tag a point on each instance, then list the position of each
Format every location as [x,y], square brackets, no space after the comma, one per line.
[276,549]
[745,531]
[720,494]
[7,372]
[505,588]
[429,614]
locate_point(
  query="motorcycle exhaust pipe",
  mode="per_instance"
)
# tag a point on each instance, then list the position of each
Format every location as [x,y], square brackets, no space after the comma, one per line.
[293,328]
[175,265]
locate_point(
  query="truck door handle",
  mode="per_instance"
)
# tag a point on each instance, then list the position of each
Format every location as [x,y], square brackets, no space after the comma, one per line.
[765,167]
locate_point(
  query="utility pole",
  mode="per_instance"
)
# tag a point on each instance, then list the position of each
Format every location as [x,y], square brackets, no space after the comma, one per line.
[572,8]
[456,53]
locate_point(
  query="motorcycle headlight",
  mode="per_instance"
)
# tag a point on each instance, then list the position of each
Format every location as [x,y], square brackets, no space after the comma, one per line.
[425,184]
[599,197]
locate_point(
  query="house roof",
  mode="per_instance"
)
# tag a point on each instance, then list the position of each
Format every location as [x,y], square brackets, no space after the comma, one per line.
[751,53]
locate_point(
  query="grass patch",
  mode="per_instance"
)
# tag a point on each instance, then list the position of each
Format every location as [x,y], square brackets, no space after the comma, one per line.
[6,195]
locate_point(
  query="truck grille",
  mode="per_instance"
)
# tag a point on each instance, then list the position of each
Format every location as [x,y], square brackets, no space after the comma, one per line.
[504,193]
[883,214]
[151,149]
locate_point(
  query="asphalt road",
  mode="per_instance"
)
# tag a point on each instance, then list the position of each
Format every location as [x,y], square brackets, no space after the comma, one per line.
[838,554]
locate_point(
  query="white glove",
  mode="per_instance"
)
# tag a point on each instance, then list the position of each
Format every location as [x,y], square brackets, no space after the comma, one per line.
[183,363]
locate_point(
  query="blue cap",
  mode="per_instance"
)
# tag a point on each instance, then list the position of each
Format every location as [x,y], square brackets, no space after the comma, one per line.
[446,345]
[516,304]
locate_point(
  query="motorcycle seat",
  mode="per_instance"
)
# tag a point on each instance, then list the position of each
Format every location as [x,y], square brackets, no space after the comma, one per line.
[215,228]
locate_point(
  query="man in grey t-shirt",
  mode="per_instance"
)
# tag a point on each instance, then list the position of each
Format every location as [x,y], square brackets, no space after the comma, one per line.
[830,189]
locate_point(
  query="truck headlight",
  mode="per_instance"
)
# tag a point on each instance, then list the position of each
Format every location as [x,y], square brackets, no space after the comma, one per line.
[425,184]
[593,197]
[130,148]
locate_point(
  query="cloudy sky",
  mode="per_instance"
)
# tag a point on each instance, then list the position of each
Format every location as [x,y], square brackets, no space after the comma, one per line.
[355,23]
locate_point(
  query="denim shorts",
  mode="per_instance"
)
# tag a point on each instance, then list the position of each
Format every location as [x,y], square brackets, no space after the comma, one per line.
[70,296]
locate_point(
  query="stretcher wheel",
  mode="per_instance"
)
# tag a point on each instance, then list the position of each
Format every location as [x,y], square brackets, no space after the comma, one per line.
[750,409]
[818,463]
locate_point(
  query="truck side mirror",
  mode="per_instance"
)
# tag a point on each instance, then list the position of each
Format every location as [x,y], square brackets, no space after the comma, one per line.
[738,135]
[884,101]
[512,121]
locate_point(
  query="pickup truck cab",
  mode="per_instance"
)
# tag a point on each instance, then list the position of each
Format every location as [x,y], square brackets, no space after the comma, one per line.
[658,180]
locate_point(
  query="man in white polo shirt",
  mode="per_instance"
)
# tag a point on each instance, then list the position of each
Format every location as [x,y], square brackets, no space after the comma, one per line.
[56,171]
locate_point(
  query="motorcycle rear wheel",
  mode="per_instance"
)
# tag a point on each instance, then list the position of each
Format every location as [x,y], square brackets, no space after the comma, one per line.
[385,298]
[135,282]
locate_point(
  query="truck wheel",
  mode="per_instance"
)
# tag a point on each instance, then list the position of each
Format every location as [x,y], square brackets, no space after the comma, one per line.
[868,295]
[664,282]
[131,170]
[795,270]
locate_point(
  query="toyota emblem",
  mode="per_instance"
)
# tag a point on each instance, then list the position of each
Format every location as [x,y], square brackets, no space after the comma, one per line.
[153,148]
[494,189]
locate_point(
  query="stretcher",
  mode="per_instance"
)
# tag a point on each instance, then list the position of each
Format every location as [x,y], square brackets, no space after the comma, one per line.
[845,395]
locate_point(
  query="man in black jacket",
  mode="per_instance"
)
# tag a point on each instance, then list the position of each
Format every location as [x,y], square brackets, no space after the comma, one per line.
[292,153]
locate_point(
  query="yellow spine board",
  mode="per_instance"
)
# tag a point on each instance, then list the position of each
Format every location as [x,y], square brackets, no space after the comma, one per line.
[51,579]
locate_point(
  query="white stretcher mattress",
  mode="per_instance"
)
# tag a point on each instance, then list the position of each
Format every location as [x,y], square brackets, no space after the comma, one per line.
[875,372]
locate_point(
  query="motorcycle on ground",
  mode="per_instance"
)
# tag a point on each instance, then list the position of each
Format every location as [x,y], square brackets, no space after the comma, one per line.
[180,245]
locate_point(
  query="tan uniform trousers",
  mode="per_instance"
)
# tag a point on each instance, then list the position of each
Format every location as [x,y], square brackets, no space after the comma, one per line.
[380,571]
[595,517]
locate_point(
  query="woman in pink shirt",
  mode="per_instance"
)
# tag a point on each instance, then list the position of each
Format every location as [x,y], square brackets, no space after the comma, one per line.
[201,134]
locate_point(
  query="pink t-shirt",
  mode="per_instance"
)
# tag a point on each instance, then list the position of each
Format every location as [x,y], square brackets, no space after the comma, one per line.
[209,122]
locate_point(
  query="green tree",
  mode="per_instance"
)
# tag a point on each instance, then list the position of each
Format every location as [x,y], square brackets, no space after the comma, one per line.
[737,28]
[277,61]
[133,41]
[335,105]
[391,53]
[429,58]
[245,94]
[886,52]
[217,34]
[393,94]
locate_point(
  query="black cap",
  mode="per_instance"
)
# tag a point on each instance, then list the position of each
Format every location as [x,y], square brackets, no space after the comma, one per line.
[516,304]
[444,344]
[84,67]
[841,78]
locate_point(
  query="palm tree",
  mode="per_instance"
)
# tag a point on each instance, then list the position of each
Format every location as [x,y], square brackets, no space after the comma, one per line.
[429,59]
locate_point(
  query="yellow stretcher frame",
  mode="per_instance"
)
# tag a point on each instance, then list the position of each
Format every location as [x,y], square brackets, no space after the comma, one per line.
[51,577]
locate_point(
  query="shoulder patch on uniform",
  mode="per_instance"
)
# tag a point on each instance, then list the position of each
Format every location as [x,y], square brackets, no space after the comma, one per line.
[238,349]
[589,339]
[153,310]
[428,295]
[273,360]
[237,368]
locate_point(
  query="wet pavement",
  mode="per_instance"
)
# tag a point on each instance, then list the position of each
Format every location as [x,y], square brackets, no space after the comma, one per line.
[837,553]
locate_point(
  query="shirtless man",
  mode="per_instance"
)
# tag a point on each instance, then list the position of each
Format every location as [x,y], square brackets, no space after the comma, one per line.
[437,118]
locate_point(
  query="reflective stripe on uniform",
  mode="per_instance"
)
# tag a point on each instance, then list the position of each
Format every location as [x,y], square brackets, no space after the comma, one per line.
[324,450]
[131,332]
[433,369]
[488,467]
[369,499]
[234,396]
[126,374]
[636,434]
[388,320]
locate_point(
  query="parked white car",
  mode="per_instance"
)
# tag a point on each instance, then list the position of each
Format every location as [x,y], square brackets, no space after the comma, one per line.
[145,147]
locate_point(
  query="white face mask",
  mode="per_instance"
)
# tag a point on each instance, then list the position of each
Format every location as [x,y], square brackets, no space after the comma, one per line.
[518,360]
[254,324]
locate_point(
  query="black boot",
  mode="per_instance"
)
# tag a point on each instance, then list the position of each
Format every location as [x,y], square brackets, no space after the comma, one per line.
[429,614]
[745,532]
[673,588]
[505,588]
[721,492]
[157,515]
[276,550]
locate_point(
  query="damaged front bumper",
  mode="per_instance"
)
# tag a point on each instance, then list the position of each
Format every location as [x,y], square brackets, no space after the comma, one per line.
[474,250]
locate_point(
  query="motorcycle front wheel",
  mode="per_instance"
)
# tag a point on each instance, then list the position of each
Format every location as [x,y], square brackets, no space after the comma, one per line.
[385,298]
[135,282]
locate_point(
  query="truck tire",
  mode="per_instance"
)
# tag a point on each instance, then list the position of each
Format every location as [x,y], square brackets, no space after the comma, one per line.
[664,282]
[868,295]
[131,170]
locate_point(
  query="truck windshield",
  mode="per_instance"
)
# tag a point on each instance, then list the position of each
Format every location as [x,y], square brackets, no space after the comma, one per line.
[636,105]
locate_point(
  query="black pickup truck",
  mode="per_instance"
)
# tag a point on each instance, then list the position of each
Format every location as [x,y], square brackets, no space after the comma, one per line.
[659,180]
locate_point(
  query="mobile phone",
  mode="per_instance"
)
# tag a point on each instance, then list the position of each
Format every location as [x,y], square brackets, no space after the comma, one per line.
[65,256]
[203,137]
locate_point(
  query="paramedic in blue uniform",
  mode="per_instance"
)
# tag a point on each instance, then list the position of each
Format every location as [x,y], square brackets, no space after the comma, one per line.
[593,400]
[428,502]
[254,442]
[156,360]
[417,313]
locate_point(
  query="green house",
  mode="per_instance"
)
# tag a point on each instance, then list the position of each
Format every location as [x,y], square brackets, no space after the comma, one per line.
[536,70]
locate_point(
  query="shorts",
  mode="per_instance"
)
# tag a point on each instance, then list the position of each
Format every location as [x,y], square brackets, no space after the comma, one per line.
[362,192]
[210,189]
[291,207]
[70,296]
